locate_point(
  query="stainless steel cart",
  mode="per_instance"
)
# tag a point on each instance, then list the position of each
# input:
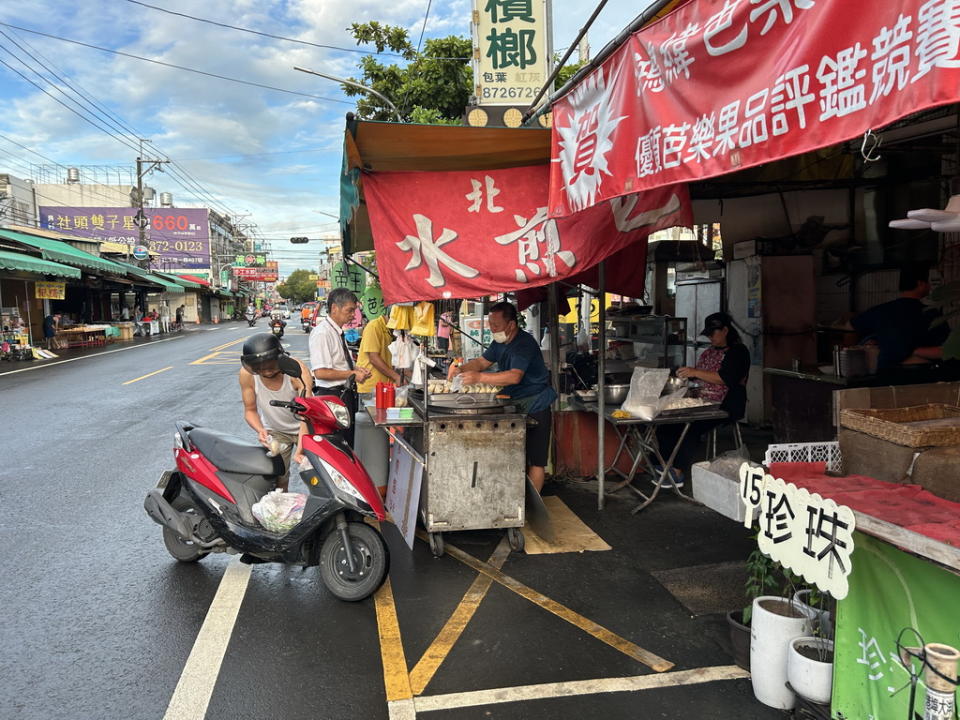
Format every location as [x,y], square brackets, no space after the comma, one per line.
[474,461]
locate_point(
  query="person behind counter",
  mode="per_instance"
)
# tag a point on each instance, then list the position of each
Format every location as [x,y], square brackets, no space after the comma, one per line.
[904,329]
[523,373]
[722,370]
[374,354]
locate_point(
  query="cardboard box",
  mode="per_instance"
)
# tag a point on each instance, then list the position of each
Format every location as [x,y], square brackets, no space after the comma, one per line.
[717,492]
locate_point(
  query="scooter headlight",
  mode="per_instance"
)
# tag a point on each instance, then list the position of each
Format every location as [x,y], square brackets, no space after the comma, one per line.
[340,481]
[340,413]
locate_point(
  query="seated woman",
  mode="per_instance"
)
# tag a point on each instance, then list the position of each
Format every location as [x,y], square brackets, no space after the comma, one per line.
[722,370]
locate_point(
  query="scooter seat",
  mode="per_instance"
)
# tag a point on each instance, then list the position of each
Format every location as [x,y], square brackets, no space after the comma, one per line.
[231,454]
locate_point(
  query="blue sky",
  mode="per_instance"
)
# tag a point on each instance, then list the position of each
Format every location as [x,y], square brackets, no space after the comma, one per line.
[269,156]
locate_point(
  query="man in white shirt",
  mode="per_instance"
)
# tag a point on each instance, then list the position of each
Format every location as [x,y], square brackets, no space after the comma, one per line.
[330,360]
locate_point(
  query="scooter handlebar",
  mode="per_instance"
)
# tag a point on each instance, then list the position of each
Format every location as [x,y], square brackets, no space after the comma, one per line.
[285,404]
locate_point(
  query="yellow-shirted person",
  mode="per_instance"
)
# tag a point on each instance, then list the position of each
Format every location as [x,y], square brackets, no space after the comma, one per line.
[374,355]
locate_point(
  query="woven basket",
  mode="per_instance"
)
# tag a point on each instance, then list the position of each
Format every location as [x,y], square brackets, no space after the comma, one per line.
[910,426]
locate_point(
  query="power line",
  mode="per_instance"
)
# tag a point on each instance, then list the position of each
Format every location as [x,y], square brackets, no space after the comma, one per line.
[176,67]
[279,37]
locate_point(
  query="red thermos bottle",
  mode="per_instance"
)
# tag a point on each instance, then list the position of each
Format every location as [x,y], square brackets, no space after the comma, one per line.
[391,393]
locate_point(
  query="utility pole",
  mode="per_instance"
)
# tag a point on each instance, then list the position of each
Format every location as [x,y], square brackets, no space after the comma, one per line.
[142,221]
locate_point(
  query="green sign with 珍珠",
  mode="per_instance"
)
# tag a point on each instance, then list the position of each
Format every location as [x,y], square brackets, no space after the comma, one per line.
[889,590]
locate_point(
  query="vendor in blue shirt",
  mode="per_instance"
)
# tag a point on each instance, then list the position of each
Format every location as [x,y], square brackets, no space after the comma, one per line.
[522,372]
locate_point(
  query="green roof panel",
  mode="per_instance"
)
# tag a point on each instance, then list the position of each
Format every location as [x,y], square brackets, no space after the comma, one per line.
[57,251]
[26,263]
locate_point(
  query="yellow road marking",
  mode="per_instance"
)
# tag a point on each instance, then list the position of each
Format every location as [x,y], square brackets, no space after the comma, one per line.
[155,372]
[396,681]
[423,673]
[226,345]
[651,660]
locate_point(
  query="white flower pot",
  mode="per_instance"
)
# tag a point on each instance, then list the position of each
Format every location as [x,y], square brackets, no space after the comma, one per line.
[811,678]
[776,621]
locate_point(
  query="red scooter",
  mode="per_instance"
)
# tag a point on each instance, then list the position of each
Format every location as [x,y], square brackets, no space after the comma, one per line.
[205,505]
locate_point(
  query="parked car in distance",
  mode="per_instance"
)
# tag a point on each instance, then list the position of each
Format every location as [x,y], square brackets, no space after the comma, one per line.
[284,309]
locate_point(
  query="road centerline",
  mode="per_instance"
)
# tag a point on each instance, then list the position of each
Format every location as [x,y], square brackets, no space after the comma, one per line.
[144,377]
[192,694]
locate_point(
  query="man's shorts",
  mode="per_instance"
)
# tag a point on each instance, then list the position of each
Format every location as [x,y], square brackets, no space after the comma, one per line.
[538,438]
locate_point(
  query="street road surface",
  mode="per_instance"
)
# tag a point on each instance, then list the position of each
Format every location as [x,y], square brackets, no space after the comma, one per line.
[99,622]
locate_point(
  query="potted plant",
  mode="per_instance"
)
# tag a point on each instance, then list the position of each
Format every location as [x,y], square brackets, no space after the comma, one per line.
[763,578]
[822,605]
[810,668]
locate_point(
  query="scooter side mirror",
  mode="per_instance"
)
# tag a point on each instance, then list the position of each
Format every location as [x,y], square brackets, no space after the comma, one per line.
[288,366]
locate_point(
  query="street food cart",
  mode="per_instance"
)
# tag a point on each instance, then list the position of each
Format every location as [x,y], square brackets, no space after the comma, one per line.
[472,452]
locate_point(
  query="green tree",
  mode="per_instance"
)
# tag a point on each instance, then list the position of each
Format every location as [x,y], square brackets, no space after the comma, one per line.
[432,88]
[298,287]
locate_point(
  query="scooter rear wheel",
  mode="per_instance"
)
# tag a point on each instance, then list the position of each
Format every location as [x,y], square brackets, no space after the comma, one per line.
[370,557]
[182,550]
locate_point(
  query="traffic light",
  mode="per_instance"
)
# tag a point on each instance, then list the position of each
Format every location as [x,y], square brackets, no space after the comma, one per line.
[299,240]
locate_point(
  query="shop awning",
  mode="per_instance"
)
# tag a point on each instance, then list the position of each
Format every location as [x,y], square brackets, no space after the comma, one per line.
[167,285]
[56,251]
[25,263]
[195,279]
[181,281]
[380,146]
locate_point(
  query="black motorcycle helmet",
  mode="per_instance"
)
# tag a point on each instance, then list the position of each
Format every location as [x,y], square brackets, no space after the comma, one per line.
[261,352]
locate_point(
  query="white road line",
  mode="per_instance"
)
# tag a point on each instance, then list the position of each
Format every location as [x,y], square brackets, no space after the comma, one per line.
[235,327]
[431,703]
[84,357]
[192,696]
[212,329]
[401,710]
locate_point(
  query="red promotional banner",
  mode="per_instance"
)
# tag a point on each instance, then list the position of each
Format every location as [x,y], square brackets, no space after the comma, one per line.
[721,85]
[472,233]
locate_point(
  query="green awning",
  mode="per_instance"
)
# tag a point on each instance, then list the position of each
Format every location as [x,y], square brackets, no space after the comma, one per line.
[57,251]
[26,263]
[167,285]
[182,282]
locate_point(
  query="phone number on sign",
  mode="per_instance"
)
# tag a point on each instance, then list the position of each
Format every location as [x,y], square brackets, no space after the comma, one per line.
[184,246]
[509,92]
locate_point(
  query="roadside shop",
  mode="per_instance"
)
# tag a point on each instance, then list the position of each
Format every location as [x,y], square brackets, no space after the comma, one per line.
[826,175]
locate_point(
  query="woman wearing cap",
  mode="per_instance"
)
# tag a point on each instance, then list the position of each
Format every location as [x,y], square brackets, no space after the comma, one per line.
[722,371]
[260,382]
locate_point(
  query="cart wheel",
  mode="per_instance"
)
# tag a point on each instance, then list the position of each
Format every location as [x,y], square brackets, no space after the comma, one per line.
[436,543]
[515,538]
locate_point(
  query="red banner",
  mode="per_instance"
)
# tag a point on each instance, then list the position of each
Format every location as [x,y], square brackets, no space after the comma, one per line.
[721,85]
[472,233]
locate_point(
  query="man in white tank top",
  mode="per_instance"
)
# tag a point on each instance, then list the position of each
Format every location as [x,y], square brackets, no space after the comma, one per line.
[260,382]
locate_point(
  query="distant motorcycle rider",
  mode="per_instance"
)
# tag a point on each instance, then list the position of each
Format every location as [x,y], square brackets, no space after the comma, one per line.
[260,382]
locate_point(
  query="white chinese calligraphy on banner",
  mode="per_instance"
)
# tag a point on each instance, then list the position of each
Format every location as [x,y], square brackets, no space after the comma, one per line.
[809,534]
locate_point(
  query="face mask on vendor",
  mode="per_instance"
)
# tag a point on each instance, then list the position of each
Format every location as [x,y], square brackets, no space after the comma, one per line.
[500,329]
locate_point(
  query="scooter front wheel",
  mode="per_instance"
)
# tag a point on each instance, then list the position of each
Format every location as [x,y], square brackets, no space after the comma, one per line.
[371,562]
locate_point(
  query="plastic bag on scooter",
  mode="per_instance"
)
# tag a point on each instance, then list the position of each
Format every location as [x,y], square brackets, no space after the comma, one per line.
[278,511]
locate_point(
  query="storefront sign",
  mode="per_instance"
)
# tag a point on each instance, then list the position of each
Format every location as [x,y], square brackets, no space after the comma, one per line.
[889,590]
[403,492]
[721,85]
[50,290]
[269,273]
[250,260]
[372,302]
[511,49]
[180,236]
[141,252]
[461,234]
[349,276]
[811,535]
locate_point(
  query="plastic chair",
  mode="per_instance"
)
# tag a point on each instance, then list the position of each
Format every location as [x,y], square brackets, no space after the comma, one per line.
[712,439]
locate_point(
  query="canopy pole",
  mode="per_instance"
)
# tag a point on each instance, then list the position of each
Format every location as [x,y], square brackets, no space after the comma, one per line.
[601,384]
[26,290]
[553,327]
